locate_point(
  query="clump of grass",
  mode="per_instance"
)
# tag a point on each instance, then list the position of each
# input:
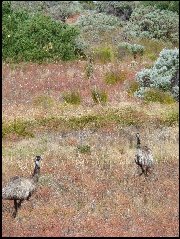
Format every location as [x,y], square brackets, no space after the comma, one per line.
[99,96]
[156,95]
[43,101]
[84,149]
[114,77]
[170,118]
[103,54]
[133,87]
[153,47]
[17,127]
[73,98]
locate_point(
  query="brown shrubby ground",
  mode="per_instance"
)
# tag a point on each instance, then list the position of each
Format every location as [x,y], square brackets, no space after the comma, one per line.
[94,190]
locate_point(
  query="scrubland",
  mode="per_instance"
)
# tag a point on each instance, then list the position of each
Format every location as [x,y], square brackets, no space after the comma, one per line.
[89,183]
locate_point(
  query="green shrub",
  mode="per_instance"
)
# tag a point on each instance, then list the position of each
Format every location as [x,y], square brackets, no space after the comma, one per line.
[99,96]
[153,23]
[133,87]
[127,48]
[121,9]
[84,149]
[58,10]
[36,37]
[73,98]
[163,5]
[171,118]
[156,95]
[114,77]
[18,127]
[44,101]
[159,76]
[103,54]
[95,27]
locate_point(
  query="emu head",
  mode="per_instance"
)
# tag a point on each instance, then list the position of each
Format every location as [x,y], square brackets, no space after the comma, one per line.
[37,160]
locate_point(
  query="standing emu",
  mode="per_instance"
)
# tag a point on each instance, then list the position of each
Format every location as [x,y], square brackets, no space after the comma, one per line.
[144,157]
[20,188]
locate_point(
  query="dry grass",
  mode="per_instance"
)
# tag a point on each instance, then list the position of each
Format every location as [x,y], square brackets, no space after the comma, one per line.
[98,193]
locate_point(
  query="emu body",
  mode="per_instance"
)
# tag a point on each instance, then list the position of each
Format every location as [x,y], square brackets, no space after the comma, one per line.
[144,157]
[20,188]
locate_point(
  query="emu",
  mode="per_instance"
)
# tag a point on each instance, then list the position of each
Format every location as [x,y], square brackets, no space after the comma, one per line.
[144,157]
[20,188]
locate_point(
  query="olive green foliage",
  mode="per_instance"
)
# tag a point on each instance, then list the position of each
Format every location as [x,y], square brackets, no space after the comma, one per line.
[121,9]
[114,77]
[163,5]
[157,95]
[133,87]
[150,22]
[17,127]
[84,149]
[88,5]
[58,10]
[36,37]
[125,48]
[43,101]
[103,54]
[99,96]
[73,98]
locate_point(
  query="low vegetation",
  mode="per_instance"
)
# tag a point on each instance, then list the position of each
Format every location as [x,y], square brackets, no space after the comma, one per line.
[79,80]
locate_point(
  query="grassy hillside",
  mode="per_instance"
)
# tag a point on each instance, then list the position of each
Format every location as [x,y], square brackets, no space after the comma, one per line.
[82,116]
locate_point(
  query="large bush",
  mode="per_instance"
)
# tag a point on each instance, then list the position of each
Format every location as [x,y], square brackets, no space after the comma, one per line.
[163,5]
[153,23]
[122,9]
[58,10]
[96,27]
[36,37]
[161,74]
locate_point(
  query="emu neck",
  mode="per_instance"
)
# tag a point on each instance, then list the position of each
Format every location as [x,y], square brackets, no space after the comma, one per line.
[138,142]
[36,173]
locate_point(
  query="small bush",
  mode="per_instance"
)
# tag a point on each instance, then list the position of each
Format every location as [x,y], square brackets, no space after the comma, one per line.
[103,54]
[95,26]
[121,9]
[127,48]
[112,78]
[171,118]
[84,149]
[160,75]
[18,128]
[99,96]
[152,47]
[43,101]
[133,87]
[73,98]
[163,5]
[156,95]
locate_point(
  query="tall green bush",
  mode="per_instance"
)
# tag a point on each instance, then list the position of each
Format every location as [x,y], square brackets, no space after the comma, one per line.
[36,37]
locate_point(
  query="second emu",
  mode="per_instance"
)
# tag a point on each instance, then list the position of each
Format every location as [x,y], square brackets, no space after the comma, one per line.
[144,157]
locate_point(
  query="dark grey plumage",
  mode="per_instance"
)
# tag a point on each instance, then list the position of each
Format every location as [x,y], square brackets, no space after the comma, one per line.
[144,157]
[20,188]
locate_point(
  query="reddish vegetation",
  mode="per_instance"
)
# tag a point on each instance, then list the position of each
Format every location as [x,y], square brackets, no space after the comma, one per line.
[22,84]
[86,194]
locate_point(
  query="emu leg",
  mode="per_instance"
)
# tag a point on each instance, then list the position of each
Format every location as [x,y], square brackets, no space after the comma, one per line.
[15,207]
[142,170]
[19,203]
[29,196]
